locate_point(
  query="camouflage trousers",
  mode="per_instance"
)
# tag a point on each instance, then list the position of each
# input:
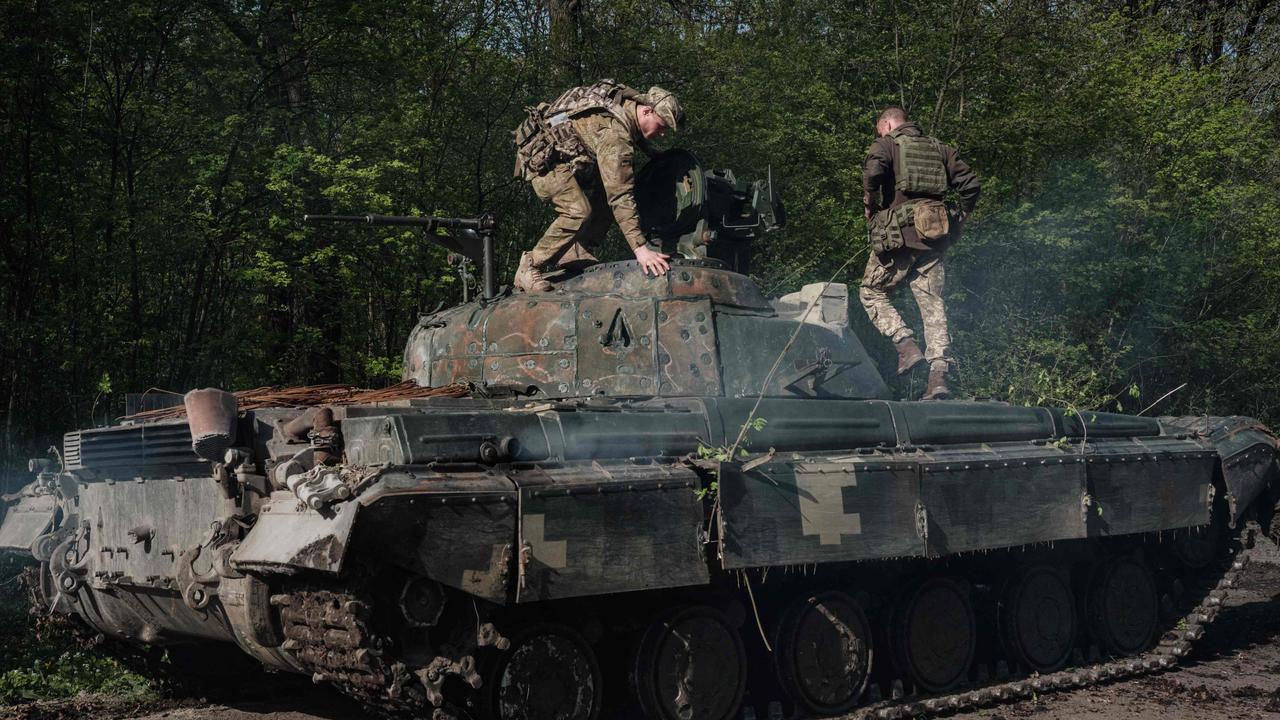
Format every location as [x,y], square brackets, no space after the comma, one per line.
[582,217]
[924,273]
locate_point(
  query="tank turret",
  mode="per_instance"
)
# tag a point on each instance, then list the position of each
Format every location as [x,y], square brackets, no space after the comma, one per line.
[613,330]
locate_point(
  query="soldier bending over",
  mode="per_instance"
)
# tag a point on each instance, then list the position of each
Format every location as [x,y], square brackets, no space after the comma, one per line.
[904,180]
[577,153]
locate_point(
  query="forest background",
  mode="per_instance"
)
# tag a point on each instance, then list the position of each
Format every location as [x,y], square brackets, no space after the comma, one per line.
[156,158]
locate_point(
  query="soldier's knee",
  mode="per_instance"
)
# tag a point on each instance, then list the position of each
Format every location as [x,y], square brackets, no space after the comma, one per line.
[577,214]
[870,296]
[572,203]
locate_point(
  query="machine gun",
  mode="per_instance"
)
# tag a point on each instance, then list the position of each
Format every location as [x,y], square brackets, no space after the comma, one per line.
[470,237]
[700,213]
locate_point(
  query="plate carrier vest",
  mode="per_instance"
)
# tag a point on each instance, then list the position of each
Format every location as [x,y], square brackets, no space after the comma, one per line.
[921,169]
[921,175]
[546,138]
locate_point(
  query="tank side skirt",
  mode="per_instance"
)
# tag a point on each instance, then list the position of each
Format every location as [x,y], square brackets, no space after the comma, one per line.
[1248,451]
[26,520]
[596,529]
[872,505]
[455,526]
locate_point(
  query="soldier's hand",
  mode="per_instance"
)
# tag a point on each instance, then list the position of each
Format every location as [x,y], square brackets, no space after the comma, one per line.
[652,262]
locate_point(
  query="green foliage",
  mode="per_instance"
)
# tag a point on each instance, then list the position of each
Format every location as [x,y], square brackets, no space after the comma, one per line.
[725,453]
[711,490]
[71,673]
[40,658]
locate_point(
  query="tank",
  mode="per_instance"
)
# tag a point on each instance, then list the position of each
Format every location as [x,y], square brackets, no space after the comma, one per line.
[662,497]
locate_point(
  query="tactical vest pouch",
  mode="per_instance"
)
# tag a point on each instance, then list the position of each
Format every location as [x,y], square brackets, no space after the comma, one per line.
[547,137]
[921,168]
[884,232]
[534,147]
[931,219]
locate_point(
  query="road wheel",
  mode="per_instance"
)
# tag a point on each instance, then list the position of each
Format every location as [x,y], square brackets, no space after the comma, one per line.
[548,673]
[822,650]
[1123,609]
[934,635]
[1037,619]
[690,665]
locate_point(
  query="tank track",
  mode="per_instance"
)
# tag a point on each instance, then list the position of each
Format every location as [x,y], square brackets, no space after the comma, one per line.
[328,632]
[1175,644]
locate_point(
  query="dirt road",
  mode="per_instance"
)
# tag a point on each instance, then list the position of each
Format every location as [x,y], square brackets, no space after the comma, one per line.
[1234,673]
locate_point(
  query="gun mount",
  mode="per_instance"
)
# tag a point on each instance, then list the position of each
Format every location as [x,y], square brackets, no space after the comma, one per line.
[685,209]
[702,213]
[472,237]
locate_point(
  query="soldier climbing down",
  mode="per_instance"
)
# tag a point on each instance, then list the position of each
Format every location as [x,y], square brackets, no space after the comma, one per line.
[904,180]
[577,153]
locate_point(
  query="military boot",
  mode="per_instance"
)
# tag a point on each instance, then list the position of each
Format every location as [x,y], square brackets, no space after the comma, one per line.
[909,354]
[529,277]
[938,388]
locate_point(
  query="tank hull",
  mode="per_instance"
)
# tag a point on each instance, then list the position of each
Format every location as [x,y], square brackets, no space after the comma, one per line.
[613,500]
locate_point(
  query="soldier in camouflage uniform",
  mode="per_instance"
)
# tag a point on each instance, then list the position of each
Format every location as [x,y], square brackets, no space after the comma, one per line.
[904,180]
[578,154]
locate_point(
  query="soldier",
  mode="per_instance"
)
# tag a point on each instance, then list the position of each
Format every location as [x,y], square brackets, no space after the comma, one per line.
[904,179]
[577,153]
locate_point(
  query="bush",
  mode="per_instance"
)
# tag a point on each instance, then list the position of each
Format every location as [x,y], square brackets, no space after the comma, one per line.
[47,656]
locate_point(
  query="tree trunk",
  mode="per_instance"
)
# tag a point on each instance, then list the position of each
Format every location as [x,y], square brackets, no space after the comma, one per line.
[566,40]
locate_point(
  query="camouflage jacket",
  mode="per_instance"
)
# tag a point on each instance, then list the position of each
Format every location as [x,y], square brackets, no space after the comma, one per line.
[612,146]
[878,175]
